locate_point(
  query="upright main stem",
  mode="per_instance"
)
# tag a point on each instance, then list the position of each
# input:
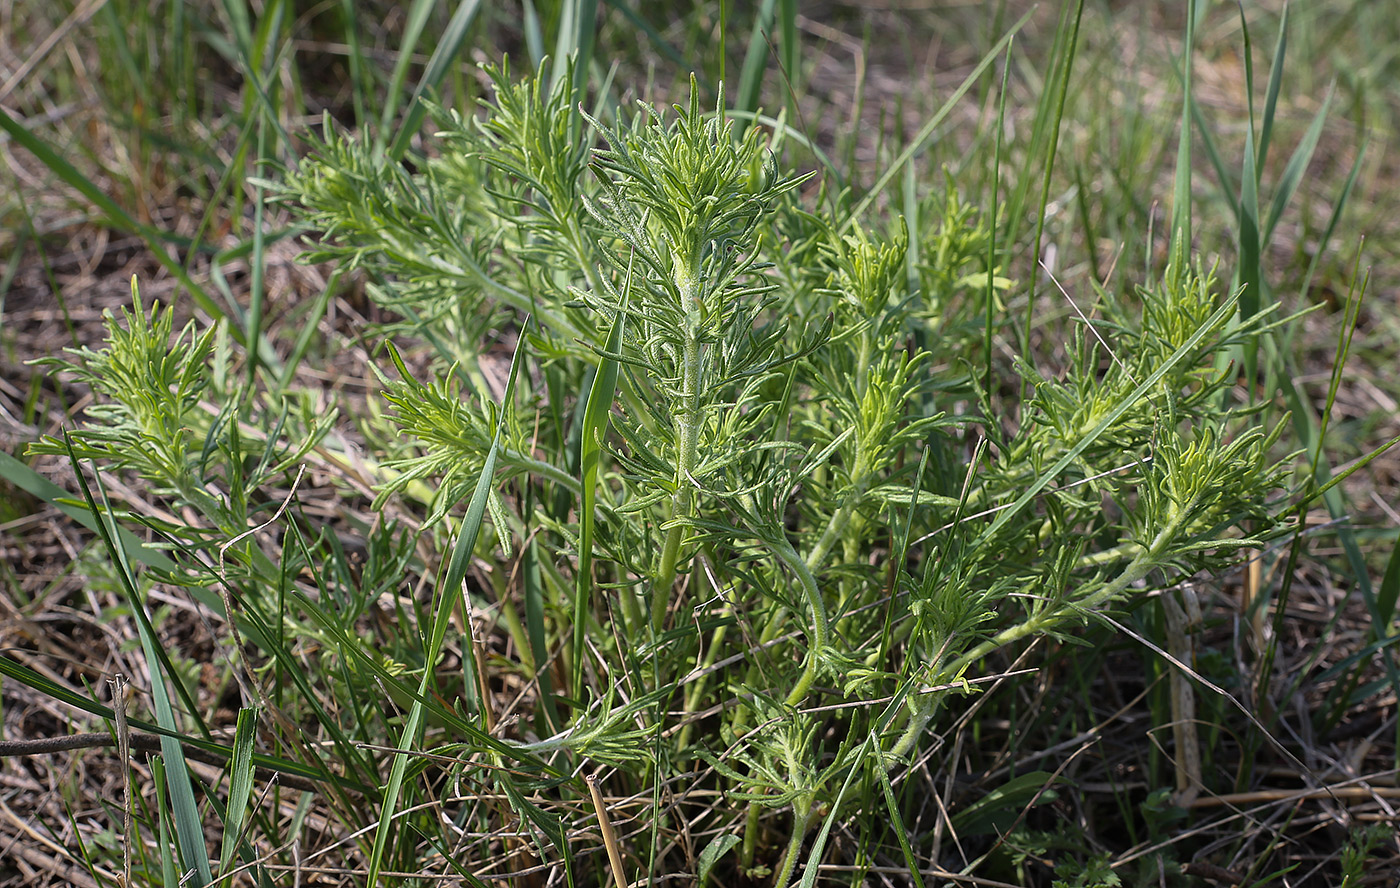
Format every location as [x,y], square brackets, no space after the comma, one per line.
[687,419]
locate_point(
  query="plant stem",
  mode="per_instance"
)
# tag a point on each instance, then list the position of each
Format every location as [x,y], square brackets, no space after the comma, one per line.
[688,421]
[821,629]
[750,846]
[835,528]
[801,820]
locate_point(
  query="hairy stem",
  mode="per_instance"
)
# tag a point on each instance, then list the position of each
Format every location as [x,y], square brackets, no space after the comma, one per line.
[801,821]
[688,419]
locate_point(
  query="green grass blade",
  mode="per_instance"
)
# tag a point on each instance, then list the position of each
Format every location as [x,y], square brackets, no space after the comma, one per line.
[1311,433]
[814,859]
[920,141]
[1389,591]
[308,329]
[1338,207]
[755,60]
[240,786]
[1297,165]
[116,216]
[659,43]
[789,54]
[30,481]
[1180,236]
[1248,241]
[26,676]
[415,22]
[257,265]
[534,35]
[355,61]
[449,590]
[900,556]
[790,133]
[532,582]
[1250,247]
[1248,52]
[189,831]
[1040,126]
[900,833]
[237,14]
[573,46]
[1266,128]
[595,427]
[106,529]
[996,810]
[1062,77]
[397,688]
[989,299]
[169,871]
[439,63]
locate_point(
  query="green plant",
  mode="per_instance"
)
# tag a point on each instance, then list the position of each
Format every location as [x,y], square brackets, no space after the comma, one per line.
[761,509]
[769,411]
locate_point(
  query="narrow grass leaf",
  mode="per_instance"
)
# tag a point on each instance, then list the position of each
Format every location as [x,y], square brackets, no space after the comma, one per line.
[533,590]
[1266,127]
[897,822]
[1389,591]
[22,476]
[397,689]
[659,43]
[1043,114]
[788,53]
[595,427]
[189,831]
[1298,165]
[116,216]
[449,590]
[755,60]
[901,553]
[534,34]
[990,297]
[257,263]
[10,668]
[573,46]
[1180,236]
[414,23]
[106,528]
[1338,207]
[439,63]
[355,61]
[308,329]
[240,785]
[920,141]
[448,855]
[787,131]
[1223,176]
[1052,144]
[1250,247]
[996,810]
[814,859]
[169,870]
